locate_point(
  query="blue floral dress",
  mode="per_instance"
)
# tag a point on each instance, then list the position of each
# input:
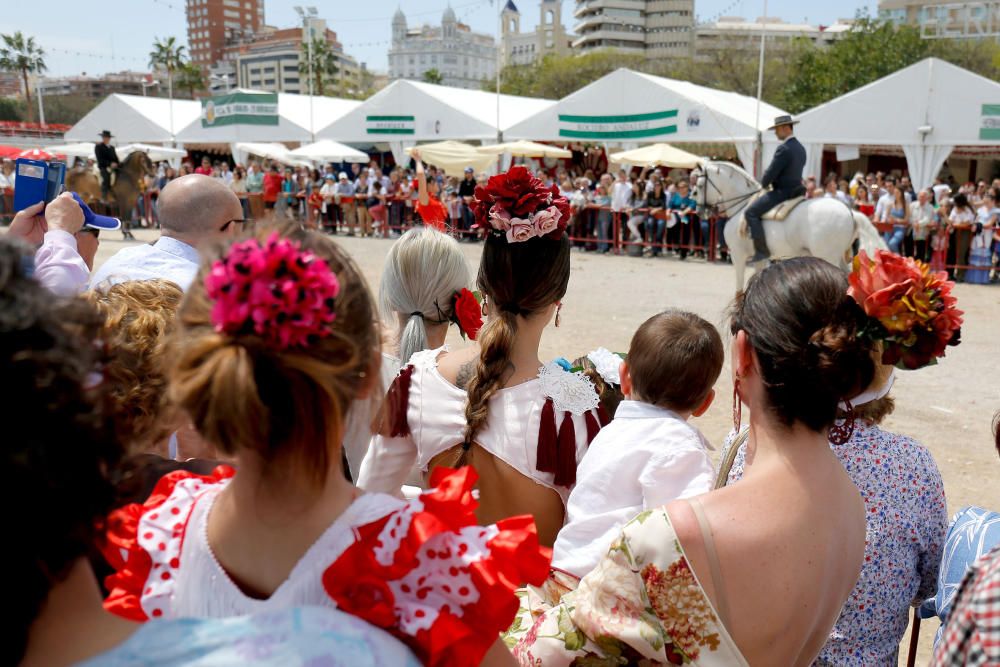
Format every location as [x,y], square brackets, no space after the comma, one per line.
[906,523]
[298,637]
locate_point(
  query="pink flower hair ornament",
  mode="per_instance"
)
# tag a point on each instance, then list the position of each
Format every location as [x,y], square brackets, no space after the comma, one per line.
[273,289]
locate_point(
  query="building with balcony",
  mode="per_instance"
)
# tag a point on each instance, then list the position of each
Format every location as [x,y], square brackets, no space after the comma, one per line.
[270,60]
[732,33]
[462,57]
[653,28]
[212,24]
[524,48]
[945,20]
[94,87]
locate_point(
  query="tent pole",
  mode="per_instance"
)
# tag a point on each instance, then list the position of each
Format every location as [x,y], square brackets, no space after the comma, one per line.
[499,60]
[758,163]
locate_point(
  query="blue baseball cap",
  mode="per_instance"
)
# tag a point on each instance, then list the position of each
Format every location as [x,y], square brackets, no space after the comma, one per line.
[94,220]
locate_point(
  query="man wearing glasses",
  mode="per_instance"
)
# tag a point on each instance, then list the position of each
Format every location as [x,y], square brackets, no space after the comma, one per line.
[195,210]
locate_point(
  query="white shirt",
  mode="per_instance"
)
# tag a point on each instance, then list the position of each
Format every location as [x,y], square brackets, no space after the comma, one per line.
[941,190]
[168,259]
[621,194]
[883,207]
[645,458]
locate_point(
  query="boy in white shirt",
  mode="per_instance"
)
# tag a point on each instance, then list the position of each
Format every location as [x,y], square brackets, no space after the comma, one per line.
[648,455]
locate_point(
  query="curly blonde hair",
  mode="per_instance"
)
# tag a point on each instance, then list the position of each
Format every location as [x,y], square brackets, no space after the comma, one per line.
[138,317]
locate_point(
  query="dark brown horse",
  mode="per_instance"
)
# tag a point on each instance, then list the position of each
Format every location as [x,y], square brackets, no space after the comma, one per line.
[125,191]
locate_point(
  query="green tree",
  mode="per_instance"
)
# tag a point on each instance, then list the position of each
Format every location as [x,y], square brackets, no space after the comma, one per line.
[871,50]
[324,64]
[433,76]
[11,108]
[22,54]
[555,77]
[168,55]
[68,109]
[190,78]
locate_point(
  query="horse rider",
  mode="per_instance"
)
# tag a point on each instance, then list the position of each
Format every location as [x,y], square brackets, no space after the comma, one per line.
[107,161]
[784,176]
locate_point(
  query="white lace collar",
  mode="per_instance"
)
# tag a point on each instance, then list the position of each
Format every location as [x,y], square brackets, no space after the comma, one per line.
[570,392]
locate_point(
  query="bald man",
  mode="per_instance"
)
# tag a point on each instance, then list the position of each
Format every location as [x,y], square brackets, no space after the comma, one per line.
[194,211]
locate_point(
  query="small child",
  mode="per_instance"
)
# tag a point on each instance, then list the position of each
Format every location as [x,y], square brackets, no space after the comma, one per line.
[648,455]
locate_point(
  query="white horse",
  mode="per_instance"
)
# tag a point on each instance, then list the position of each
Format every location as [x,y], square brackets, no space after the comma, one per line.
[824,228]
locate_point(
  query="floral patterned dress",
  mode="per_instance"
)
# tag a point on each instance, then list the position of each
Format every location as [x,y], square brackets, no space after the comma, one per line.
[642,604]
[906,521]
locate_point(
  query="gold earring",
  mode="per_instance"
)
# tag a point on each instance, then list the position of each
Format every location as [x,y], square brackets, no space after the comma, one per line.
[558,313]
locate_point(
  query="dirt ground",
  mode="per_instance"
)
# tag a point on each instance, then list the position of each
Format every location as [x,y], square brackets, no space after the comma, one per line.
[948,407]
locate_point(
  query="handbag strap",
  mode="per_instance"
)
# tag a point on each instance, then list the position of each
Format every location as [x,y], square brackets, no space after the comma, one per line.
[730,456]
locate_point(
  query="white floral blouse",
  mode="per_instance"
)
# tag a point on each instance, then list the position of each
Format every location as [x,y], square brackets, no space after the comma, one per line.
[642,604]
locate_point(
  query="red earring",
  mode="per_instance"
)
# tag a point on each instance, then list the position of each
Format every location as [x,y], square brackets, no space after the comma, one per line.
[737,406]
[841,433]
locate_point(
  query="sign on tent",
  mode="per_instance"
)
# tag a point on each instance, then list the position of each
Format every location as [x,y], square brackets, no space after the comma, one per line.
[242,108]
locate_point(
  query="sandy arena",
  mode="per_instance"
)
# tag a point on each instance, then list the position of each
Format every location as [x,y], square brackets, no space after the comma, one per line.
[948,408]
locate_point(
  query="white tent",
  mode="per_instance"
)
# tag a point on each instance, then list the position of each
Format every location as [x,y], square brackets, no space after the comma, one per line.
[133,118]
[293,122]
[327,150]
[405,112]
[453,157]
[272,151]
[626,107]
[927,109]
[155,153]
[84,149]
[657,155]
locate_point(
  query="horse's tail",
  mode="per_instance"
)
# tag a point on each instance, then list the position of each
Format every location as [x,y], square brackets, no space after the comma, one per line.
[867,236]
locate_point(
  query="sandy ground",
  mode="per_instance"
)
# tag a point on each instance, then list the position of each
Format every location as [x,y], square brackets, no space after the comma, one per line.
[948,407]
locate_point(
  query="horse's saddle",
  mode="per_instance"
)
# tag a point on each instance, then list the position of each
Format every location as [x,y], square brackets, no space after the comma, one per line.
[781,211]
[778,213]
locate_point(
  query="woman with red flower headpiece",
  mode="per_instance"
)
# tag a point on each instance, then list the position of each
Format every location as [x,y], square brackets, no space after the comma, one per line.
[522,424]
[276,340]
[424,288]
[428,206]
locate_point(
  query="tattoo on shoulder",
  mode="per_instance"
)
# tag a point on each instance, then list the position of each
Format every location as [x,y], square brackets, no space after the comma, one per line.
[465,374]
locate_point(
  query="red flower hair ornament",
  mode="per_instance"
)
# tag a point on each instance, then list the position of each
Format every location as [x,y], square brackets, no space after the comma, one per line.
[274,290]
[517,205]
[909,308]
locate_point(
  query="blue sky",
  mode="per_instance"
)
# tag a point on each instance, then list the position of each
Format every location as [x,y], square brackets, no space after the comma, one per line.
[82,36]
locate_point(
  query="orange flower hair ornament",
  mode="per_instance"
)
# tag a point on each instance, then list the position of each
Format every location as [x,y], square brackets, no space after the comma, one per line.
[909,308]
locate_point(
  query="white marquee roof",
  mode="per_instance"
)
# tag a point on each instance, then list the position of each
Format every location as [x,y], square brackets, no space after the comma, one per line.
[409,111]
[631,107]
[134,118]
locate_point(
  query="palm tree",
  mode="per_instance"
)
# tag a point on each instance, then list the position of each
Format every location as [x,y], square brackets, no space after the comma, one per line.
[169,55]
[191,78]
[22,54]
[324,64]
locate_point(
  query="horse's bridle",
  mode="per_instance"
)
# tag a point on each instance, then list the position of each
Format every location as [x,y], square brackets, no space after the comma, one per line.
[741,200]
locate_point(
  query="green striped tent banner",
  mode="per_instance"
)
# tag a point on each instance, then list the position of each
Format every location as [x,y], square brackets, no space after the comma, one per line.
[989,123]
[391,124]
[633,126]
[240,109]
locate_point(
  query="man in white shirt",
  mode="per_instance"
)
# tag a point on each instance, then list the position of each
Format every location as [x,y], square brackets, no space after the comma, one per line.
[923,217]
[886,201]
[195,210]
[621,193]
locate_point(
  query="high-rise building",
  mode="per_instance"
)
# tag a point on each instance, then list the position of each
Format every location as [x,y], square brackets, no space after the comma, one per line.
[938,19]
[736,35]
[462,57]
[653,28]
[10,84]
[214,23]
[270,60]
[524,48]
